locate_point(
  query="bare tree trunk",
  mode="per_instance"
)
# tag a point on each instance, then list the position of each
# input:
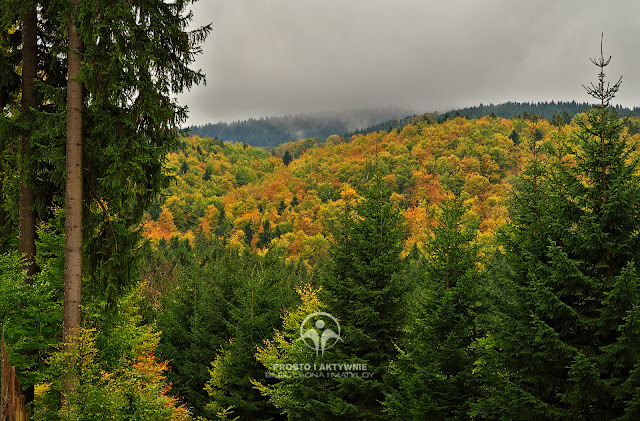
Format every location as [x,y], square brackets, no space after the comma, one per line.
[13,404]
[73,194]
[27,216]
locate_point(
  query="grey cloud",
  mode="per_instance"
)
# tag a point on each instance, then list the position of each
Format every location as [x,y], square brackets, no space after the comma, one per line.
[273,57]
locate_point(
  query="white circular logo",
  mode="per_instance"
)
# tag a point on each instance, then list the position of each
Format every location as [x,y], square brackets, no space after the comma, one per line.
[320,331]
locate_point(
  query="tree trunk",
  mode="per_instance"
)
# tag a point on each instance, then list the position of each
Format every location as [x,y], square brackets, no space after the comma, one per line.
[26,213]
[73,194]
[12,402]
[27,216]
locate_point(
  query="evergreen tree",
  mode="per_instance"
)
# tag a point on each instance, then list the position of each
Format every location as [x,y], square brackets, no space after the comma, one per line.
[184,168]
[124,63]
[265,236]
[286,158]
[19,68]
[434,372]
[27,213]
[265,289]
[297,385]
[219,311]
[192,318]
[248,233]
[569,338]
[364,290]
[281,207]
[10,98]
[31,316]
[532,222]
[514,136]
[136,57]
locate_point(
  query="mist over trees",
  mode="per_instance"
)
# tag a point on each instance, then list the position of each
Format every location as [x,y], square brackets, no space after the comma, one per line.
[272,131]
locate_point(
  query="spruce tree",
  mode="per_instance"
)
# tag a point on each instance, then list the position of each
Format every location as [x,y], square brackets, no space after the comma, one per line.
[121,64]
[298,385]
[567,327]
[434,371]
[287,158]
[27,213]
[364,290]
[532,220]
[137,56]
[219,311]
[73,195]
[10,94]
[266,287]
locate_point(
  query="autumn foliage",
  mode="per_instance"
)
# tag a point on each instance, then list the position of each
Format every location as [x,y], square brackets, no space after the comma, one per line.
[250,198]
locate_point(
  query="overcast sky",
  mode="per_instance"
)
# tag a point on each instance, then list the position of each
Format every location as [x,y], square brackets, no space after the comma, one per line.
[276,57]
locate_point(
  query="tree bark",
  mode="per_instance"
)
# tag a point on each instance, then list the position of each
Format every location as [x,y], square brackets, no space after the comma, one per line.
[26,215]
[12,406]
[73,194]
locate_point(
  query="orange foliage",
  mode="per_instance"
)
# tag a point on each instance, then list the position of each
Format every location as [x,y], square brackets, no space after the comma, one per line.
[421,162]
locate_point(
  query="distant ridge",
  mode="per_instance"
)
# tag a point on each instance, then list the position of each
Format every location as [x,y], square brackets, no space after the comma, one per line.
[545,110]
[273,131]
[554,112]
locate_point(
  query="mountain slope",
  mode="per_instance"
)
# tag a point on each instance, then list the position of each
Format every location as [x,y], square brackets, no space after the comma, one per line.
[272,131]
[248,197]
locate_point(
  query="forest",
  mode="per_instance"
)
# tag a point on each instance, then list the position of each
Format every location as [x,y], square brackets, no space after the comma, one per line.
[556,112]
[458,268]
[271,131]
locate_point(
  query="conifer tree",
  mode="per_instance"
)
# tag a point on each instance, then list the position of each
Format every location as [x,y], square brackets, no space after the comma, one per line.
[364,292]
[364,289]
[567,328]
[264,291]
[220,311]
[434,371]
[287,158]
[27,213]
[192,318]
[137,56]
[125,60]
[10,86]
[297,384]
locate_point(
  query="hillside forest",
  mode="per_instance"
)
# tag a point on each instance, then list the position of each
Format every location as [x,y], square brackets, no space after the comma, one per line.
[458,268]
[269,132]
